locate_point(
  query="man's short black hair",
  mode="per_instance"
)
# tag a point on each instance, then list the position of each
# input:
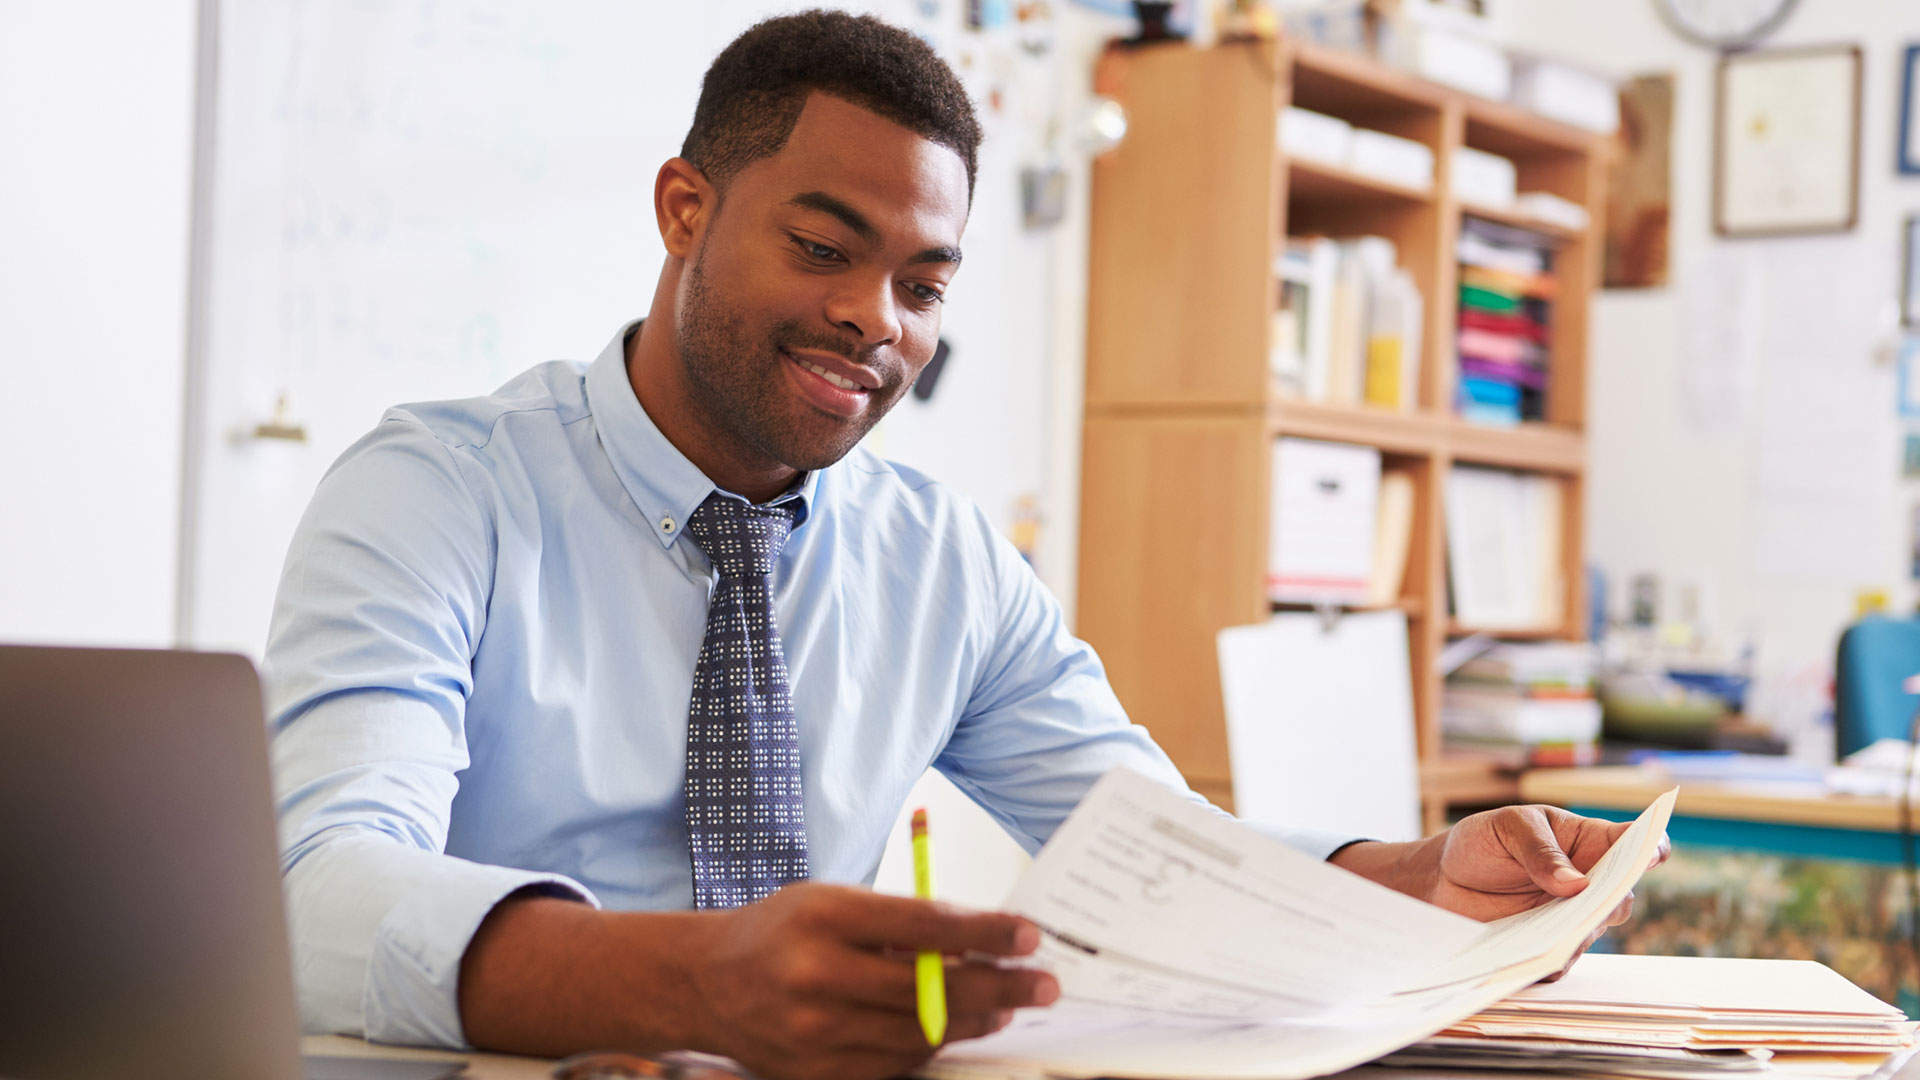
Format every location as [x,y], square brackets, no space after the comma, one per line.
[753,93]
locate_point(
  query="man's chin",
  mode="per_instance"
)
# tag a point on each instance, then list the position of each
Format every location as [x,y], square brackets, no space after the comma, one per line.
[812,450]
[817,457]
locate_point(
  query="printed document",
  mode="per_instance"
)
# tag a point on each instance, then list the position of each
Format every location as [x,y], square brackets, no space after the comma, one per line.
[1189,945]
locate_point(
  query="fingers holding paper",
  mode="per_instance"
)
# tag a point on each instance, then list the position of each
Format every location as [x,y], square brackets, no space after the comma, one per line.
[1502,862]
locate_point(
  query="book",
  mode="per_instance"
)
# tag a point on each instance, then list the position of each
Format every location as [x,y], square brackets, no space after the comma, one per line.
[1503,334]
[1514,715]
[1302,340]
[1392,537]
[1348,323]
[1557,664]
[1503,549]
[1394,328]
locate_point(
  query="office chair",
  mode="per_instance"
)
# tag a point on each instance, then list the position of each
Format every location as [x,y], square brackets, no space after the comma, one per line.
[1870,702]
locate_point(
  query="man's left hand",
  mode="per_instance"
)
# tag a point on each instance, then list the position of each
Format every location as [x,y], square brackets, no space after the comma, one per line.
[1498,863]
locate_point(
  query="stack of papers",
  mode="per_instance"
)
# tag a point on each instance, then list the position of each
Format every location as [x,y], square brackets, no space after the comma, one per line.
[1681,1016]
[1189,945]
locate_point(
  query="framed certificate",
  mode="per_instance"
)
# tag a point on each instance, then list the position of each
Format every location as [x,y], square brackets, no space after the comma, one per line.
[1787,142]
[1907,154]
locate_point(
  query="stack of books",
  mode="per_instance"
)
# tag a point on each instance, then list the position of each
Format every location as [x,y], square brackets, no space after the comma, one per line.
[1524,705]
[1680,1017]
[1506,294]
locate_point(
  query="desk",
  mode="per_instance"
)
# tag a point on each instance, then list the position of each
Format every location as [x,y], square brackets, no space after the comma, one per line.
[479,1066]
[499,1067]
[1767,870]
[1774,818]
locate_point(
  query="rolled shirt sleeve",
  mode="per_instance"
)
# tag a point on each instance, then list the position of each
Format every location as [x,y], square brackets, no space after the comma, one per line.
[381,604]
[1043,723]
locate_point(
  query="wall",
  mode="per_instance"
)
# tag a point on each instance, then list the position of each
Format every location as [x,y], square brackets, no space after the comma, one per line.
[96,111]
[1760,463]
[96,205]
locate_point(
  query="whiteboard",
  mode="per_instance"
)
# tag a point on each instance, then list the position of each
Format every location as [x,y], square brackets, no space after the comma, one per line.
[417,199]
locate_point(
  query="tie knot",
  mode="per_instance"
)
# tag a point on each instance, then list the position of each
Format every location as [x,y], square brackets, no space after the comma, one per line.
[740,539]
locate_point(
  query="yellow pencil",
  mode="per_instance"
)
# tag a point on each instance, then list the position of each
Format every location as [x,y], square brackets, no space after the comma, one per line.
[929,970]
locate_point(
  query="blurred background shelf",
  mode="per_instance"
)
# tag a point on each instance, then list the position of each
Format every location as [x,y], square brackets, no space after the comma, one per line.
[1182,409]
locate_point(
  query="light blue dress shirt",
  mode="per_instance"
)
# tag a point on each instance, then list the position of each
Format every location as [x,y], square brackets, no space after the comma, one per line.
[482,655]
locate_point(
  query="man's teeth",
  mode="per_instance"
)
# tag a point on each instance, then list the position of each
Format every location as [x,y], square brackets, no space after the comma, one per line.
[844,384]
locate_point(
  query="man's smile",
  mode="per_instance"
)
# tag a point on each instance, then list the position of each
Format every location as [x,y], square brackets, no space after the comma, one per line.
[832,382]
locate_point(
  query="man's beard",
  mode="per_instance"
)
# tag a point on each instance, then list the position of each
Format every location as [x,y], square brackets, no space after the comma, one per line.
[737,383]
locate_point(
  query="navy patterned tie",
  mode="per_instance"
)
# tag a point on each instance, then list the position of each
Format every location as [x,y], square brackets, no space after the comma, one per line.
[745,823]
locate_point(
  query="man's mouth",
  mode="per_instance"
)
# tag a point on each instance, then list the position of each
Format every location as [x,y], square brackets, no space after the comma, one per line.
[844,384]
[833,383]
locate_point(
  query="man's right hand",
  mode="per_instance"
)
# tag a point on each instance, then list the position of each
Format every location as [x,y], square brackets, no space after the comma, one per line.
[814,981]
[818,980]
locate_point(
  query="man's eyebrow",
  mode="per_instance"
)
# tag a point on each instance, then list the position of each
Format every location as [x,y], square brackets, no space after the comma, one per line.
[827,204]
[855,220]
[943,254]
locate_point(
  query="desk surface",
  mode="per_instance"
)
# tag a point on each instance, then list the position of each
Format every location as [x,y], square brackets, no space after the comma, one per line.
[479,1066]
[1631,788]
[499,1067]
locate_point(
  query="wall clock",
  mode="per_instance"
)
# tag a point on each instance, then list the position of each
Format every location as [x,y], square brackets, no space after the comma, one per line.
[1725,24]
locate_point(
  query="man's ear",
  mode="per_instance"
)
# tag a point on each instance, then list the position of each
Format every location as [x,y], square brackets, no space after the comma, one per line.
[683,202]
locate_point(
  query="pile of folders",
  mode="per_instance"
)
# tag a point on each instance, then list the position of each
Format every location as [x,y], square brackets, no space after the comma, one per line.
[1507,288]
[1681,1018]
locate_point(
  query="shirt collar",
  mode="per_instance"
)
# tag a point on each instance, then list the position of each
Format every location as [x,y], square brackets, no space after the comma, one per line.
[662,483]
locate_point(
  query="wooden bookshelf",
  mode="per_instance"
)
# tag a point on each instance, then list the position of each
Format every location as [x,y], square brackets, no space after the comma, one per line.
[1181,410]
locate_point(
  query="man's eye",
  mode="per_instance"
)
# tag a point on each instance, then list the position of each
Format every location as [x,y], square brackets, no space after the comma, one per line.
[926,294]
[820,252]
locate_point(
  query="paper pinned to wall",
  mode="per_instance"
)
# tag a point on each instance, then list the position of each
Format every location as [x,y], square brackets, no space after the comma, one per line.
[1320,723]
[1824,452]
[1722,300]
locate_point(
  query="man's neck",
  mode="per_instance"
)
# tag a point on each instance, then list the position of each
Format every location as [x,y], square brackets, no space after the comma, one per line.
[659,379]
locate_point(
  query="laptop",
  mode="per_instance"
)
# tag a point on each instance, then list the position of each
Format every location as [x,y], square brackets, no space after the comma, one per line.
[142,929]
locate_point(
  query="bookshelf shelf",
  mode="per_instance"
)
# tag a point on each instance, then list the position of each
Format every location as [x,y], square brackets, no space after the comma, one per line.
[1533,447]
[1510,131]
[1330,81]
[1384,429]
[1183,408]
[1468,781]
[1311,181]
[1457,629]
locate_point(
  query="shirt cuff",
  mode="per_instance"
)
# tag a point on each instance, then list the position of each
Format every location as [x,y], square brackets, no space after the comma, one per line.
[412,994]
[1314,842]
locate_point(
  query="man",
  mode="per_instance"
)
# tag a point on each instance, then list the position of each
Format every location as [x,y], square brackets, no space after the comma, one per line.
[576,686]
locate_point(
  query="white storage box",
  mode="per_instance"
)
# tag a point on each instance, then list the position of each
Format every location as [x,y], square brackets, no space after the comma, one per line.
[1392,158]
[1316,137]
[1483,179]
[1568,94]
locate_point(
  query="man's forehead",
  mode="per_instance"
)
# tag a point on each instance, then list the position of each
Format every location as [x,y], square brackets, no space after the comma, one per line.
[868,162]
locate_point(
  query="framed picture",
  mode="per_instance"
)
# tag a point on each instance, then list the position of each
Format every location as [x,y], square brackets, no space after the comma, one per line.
[1907,154]
[1787,142]
[1910,273]
[1640,186]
